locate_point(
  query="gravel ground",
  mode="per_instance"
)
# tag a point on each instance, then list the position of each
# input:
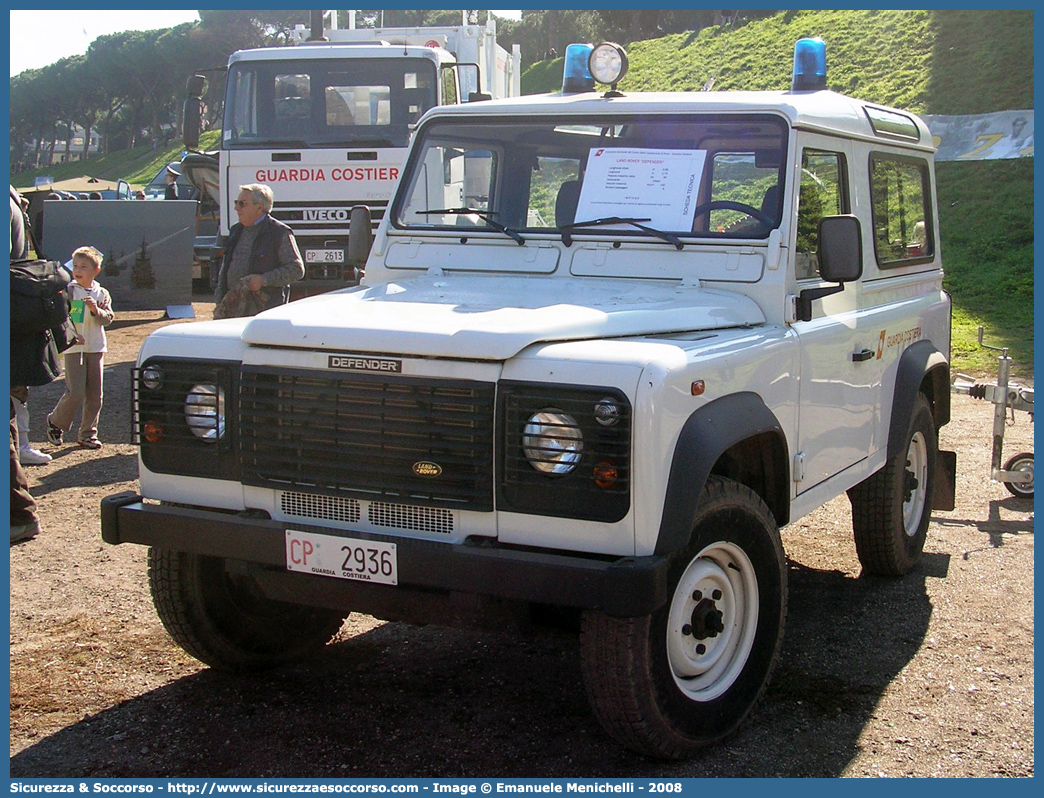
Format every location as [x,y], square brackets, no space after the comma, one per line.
[931,675]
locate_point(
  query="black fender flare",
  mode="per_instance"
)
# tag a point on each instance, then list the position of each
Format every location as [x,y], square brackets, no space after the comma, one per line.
[919,361]
[706,435]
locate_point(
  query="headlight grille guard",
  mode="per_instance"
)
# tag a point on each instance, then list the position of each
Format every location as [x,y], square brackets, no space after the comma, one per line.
[521,488]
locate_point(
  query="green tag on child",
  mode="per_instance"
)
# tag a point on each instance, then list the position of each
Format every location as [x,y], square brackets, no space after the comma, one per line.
[77,310]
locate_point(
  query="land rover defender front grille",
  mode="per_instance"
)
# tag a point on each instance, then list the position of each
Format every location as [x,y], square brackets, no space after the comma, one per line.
[402,440]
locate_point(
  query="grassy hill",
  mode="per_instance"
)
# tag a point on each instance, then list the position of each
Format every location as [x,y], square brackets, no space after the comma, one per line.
[935,62]
[930,62]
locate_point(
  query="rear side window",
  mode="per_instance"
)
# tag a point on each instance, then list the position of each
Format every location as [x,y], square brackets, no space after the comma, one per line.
[900,199]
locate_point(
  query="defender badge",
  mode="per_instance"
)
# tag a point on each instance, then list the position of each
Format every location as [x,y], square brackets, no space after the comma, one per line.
[425,468]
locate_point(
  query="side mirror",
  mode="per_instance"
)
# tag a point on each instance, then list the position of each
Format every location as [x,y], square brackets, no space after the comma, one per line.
[840,249]
[192,111]
[192,122]
[840,260]
[360,235]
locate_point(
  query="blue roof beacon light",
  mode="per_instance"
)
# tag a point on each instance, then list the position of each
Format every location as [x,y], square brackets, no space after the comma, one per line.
[576,76]
[809,65]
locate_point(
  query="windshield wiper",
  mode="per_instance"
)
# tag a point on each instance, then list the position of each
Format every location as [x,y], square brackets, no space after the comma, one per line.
[568,239]
[485,216]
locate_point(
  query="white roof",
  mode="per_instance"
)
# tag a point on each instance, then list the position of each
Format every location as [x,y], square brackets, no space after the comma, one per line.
[344,50]
[825,111]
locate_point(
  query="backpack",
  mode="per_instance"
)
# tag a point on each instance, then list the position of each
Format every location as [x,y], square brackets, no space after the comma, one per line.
[38,300]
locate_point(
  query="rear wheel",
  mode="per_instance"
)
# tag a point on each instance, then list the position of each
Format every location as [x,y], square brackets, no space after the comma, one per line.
[891,508]
[225,621]
[687,675]
[1021,462]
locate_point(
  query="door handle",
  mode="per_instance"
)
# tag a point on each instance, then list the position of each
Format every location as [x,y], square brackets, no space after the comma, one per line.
[861,355]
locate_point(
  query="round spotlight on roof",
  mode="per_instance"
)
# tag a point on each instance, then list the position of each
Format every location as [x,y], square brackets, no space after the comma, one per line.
[608,63]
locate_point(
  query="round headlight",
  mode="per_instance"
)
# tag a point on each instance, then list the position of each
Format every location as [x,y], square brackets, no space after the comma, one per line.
[608,63]
[152,377]
[205,412]
[552,442]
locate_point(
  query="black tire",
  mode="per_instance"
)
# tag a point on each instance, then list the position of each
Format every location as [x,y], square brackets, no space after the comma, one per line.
[648,684]
[224,620]
[892,507]
[1023,461]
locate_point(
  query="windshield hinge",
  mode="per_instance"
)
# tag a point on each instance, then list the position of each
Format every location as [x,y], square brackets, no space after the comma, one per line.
[691,281]
[790,309]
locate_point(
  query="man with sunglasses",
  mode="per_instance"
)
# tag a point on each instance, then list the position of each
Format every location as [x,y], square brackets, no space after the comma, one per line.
[261,255]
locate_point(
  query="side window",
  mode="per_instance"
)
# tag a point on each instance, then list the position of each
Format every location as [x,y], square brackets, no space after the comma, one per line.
[449,87]
[822,192]
[899,198]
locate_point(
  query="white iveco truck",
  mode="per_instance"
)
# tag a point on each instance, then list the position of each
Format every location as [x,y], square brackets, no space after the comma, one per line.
[326,122]
[607,346]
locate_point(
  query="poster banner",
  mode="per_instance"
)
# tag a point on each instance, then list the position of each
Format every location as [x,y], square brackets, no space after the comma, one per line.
[982,137]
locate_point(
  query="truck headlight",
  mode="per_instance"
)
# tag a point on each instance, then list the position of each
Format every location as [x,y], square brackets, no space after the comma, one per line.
[205,411]
[552,442]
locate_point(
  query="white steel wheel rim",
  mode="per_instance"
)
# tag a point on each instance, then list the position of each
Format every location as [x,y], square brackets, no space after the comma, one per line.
[705,667]
[916,468]
[1025,465]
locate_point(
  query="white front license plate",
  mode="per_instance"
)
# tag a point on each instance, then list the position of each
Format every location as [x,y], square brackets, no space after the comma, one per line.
[343,558]
[324,256]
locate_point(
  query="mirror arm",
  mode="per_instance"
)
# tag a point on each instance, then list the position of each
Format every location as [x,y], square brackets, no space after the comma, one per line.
[808,295]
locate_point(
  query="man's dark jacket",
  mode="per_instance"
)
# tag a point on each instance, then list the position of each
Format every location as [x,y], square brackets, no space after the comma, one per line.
[264,257]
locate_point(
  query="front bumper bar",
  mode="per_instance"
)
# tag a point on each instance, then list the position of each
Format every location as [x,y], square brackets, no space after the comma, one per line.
[623,587]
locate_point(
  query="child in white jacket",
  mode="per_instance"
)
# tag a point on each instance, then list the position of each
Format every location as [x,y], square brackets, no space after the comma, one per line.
[91,313]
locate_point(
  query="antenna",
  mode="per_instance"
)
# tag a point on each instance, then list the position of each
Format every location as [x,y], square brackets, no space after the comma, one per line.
[724,49]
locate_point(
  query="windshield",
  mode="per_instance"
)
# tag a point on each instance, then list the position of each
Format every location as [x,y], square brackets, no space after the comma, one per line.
[326,103]
[692,175]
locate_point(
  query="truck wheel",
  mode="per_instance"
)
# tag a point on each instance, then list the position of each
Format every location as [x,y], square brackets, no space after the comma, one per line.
[225,621]
[1020,462]
[891,508]
[687,675]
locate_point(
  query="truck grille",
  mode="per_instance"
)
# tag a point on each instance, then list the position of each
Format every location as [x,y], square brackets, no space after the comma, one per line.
[332,215]
[399,439]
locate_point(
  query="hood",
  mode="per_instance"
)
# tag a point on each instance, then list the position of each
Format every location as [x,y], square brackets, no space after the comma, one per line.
[493,317]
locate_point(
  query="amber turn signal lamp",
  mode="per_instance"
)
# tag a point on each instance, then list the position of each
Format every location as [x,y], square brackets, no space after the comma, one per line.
[152,431]
[605,474]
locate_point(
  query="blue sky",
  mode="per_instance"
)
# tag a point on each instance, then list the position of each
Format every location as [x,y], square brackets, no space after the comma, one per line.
[39,38]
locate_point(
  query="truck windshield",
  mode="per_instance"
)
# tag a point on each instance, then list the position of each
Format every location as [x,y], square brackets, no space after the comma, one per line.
[326,103]
[686,175]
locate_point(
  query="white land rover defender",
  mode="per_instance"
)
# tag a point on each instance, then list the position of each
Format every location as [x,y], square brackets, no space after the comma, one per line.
[607,345]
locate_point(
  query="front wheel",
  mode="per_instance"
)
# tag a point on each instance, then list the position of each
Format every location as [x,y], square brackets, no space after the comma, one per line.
[689,674]
[892,507]
[1020,462]
[224,620]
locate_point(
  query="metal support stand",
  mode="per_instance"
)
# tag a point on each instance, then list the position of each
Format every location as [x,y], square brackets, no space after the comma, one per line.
[1017,473]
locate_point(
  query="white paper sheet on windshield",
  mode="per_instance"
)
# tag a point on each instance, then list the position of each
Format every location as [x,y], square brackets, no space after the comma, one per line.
[658,185]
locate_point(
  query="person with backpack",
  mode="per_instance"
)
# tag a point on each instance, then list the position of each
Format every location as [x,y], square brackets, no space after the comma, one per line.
[40,329]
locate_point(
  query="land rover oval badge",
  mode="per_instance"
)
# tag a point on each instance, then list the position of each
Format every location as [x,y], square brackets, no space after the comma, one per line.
[425,468]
